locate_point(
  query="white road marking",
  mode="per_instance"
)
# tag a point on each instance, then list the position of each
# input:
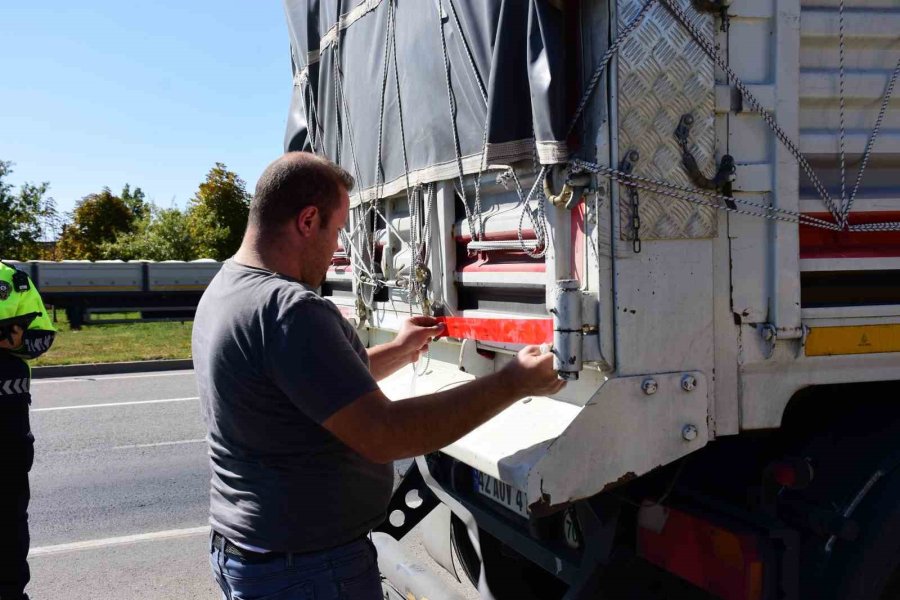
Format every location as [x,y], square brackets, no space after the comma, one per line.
[86,379]
[112,404]
[117,541]
[155,444]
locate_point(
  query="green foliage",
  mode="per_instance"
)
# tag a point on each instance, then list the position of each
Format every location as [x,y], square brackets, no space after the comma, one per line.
[28,217]
[217,214]
[162,235]
[98,219]
[127,226]
[135,201]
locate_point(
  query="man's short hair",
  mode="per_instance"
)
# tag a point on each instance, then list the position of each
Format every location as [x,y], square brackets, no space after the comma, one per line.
[291,183]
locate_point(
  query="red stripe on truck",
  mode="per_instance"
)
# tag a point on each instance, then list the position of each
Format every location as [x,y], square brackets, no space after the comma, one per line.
[824,243]
[504,331]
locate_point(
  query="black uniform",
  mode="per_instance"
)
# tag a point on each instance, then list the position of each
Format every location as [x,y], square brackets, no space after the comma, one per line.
[20,304]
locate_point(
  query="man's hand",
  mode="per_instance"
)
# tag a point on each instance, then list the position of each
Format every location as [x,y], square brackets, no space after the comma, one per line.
[532,373]
[13,340]
[415,334]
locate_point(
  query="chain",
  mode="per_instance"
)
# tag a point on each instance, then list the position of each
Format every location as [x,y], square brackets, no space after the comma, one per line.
[635,219]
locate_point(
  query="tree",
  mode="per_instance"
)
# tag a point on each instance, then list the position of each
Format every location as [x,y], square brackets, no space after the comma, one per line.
[28,217]
[217,214]
[97,220]
[162,235]
[135,202]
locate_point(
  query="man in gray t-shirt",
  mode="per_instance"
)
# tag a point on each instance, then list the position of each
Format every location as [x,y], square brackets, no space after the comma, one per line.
[301,438]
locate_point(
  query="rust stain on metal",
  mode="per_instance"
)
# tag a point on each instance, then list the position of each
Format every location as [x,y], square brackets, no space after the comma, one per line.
[629,476]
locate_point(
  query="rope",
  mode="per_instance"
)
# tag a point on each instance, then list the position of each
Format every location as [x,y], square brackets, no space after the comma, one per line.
[379,169]
[469,54]
[757,107]
[604,61]
[392,25]
[871,143]
[843,132]
[690,195]
[539,225]
[452,103]
[312,117]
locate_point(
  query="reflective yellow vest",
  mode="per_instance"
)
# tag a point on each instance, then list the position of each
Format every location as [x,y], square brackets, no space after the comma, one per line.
[19,298]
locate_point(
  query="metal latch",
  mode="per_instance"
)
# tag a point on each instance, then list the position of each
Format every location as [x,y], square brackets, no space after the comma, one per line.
[725,174]
[568,329]
[572,190]
[716,6]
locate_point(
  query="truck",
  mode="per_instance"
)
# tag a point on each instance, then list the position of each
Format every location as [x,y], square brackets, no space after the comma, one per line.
[695,204]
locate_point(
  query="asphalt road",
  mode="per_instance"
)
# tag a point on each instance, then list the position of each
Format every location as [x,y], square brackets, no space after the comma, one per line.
[119,490]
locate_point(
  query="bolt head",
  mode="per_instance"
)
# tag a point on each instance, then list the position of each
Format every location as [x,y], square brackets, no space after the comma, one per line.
[649,386]
[689,433]
[688,383]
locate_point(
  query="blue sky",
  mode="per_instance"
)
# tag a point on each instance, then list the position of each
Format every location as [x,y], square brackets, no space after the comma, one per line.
[103,92]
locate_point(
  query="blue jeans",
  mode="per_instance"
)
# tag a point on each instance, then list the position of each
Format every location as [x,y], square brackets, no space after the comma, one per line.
[348,572]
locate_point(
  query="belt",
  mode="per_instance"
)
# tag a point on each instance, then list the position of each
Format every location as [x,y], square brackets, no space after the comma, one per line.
[223,544]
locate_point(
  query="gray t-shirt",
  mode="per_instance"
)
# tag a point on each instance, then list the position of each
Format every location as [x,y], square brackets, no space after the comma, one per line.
[273,361]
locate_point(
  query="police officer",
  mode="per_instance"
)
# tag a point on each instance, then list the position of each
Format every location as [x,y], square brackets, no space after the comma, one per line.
[25,332]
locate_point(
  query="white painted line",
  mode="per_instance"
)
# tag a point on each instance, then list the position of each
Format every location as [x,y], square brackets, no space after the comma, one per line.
[96,378]
[117,541]
[112,404]
[155,444]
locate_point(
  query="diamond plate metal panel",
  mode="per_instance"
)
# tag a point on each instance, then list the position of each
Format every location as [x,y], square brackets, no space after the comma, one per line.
[663,75]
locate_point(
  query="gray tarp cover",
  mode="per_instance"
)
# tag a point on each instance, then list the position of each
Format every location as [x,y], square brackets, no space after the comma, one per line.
[506,71]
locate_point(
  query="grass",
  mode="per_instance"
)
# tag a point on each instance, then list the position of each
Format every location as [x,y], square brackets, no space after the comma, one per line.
[116,343]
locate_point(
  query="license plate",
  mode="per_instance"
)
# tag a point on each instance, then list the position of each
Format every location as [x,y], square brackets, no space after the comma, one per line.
[502,493]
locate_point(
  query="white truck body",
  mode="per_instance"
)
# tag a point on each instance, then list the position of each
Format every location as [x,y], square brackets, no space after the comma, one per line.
[705,318]
[713,295]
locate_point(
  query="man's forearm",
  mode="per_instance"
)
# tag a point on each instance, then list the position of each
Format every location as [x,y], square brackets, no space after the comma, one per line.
[386,359]
[424,424]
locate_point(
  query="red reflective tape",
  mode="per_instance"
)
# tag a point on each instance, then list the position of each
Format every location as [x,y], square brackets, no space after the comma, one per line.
[824,243]
[507,331]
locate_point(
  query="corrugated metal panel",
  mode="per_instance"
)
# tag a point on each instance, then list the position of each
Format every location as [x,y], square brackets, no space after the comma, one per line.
[664,75]
[872,47]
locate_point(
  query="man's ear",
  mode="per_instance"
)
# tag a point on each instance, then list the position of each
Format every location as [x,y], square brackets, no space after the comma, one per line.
[308,220]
